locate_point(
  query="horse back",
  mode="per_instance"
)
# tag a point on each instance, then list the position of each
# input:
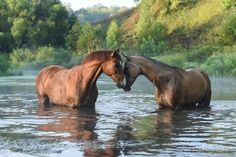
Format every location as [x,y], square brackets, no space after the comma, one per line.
[46,74]
[49,72]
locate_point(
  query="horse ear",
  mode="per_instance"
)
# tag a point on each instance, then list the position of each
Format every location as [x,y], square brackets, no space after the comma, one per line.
[127,58]
[115,52]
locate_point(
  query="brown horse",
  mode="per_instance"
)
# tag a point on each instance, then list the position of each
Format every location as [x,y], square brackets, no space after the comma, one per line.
[76,87]
[175,87]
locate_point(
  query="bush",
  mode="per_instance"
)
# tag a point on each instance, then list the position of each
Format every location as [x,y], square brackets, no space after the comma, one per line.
[43,56]
[20,56]
[177,59]
[223,64]
[199,54]
[49,55]
[62,56]
[44,53]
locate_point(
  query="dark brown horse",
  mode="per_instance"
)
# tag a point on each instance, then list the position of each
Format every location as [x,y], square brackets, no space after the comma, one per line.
[175,87]
[76,87]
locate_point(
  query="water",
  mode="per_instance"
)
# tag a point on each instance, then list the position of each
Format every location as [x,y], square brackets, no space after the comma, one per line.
[122,124]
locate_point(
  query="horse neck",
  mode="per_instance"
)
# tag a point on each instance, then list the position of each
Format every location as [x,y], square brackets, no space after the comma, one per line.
[91,71]
[151,69]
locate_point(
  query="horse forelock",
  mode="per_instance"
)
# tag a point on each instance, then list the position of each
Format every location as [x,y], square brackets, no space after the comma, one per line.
[100,56]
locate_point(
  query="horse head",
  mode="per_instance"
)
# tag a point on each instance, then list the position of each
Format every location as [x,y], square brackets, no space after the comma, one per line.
[113,68]
[131,71]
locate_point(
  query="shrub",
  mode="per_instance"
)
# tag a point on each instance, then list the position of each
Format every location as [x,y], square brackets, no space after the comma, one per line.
[43,56]
[199,54]
[221,64]
[61,56]
[20,56]
[177,59]
[44,53]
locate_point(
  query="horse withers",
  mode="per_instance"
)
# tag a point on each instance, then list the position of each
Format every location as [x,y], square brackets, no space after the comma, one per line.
[175,87]
[76,87]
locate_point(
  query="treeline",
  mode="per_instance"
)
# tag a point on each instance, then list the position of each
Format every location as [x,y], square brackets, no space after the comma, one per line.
[29,24]
[33,23]
[98,13]
[35,33]
[189,34]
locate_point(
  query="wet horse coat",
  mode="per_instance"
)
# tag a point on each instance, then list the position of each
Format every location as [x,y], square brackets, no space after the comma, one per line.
[76,87]
[175,87]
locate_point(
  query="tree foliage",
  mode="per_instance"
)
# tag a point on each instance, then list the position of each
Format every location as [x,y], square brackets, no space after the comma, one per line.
[86,40]
[33,23]
[229,30]
[73,36]
[150,32]
[112,38]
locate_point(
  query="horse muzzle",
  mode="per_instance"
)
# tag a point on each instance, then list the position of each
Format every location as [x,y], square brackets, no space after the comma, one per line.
[126,88]
[122,83]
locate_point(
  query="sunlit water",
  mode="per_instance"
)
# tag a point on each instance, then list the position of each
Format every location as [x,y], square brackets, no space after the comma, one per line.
[122,124]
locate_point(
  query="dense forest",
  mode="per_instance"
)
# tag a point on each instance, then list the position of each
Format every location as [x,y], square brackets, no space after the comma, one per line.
[186,33]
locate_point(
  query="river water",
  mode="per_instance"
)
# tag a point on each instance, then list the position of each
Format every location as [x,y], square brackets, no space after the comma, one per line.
[122,124]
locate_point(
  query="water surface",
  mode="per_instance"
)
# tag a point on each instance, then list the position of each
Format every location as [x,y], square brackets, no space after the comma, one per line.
[122,124]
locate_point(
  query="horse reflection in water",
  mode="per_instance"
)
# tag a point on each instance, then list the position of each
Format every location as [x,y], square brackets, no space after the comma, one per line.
[154,131]
[76,87]
[78,125]
[157,132]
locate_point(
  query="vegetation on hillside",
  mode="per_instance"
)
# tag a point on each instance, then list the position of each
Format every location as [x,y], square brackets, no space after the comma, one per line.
[189,34]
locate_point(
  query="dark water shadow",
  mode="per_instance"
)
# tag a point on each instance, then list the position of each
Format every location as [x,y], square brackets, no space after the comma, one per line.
[77,124]
[160,131]
[81,126]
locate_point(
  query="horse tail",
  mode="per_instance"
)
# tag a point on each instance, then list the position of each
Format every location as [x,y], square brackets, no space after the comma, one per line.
[207,97]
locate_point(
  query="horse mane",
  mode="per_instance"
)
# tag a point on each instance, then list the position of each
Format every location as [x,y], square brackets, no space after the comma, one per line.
[161,63]
[101,55]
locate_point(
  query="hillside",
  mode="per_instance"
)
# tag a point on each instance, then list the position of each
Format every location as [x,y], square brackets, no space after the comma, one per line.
[196,23]
[189,34]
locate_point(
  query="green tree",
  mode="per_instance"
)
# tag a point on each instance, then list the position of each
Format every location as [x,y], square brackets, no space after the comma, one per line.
[86,40]
[149,30]
[5,34]
[58,24]
[36,22]
[112,38]
[73,36]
